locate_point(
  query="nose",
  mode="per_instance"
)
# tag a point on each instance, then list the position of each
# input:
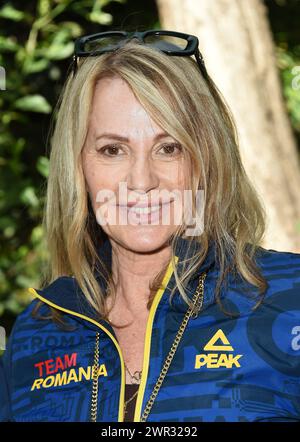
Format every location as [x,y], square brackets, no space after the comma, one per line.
[142,176]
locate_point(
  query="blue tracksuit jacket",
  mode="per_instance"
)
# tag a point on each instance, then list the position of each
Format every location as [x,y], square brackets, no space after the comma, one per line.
[244,368]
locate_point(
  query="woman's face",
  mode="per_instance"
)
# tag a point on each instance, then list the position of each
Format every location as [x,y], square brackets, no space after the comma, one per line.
[124,145]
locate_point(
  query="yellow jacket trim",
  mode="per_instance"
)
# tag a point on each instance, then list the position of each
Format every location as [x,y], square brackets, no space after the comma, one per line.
[156,300]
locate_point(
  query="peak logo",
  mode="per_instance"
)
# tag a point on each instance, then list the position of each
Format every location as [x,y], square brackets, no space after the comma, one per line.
[218,343]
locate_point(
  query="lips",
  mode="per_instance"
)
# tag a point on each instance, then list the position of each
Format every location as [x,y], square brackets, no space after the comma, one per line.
[144,205]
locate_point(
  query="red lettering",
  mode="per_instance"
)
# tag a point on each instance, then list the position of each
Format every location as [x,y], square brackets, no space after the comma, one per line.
[39,366]
[52,367]
[59,364]
[49,366]
[71,361]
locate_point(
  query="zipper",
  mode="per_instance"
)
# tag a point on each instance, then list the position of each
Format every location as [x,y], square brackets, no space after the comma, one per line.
[148,336]
[192,312]
[147,345]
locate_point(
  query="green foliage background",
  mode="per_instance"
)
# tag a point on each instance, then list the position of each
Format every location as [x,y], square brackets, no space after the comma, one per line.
[36,45]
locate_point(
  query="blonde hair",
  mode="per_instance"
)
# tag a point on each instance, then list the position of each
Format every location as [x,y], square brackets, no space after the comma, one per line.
[193,111]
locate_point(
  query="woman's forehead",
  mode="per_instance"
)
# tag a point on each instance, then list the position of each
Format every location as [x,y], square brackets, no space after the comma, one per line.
[115,106]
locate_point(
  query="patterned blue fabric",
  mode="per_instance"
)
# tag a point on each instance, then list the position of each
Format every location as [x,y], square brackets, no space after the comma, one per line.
[226,368]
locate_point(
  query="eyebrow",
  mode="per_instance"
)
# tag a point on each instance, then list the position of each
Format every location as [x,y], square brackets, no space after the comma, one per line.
[118,137]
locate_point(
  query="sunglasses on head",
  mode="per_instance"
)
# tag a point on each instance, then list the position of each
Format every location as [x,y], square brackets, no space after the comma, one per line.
[169,42]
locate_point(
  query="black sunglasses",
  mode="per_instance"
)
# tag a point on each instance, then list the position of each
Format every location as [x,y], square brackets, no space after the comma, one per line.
[169,42]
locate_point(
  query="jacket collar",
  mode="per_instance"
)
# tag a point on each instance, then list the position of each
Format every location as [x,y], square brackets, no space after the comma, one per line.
[66,294]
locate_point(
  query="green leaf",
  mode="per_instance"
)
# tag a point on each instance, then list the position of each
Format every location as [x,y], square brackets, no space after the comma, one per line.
[103,18]
[43,7]
[10,13]
[59,51]
[8,44]
[74,29]
[33,103]
[30,66]
[28,197]
[9,232]
[42,166]
[37,234]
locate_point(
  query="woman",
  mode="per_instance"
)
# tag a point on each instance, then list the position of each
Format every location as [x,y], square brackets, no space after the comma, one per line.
[149,318]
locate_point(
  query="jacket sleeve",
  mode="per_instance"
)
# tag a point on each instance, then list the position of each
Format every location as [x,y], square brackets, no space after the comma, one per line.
[5,382]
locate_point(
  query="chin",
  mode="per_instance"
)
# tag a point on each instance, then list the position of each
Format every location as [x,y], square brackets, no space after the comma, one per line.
[143,239]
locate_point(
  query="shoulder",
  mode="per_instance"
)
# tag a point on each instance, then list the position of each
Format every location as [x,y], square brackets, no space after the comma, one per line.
[35,323]
[27,326]
[25,319]
[281,270]
[280,262]
[279,315]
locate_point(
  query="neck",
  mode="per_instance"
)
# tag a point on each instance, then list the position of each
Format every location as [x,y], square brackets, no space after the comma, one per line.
[132,273]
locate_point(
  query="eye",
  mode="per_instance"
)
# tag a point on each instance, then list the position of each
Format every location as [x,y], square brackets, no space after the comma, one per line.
[172,149]
[112,150]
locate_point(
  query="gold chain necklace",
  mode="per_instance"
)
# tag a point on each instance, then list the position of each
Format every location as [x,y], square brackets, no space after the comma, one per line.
[129,400]
[95,372]
[134,383]
[192,312]
[136,378]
